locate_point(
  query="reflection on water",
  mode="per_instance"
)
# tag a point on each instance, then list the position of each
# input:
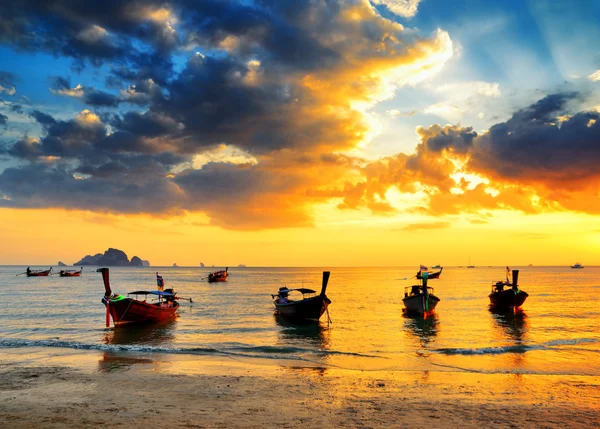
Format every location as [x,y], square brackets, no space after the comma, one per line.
[513,325]
[425,329]
[306,336]
[160,333]
[115,362]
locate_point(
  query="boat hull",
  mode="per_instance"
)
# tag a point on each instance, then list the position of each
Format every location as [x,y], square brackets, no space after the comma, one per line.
[217,279]
[42,274]
[310,309]
[77,274]
[507,298]
[130,311]
[417,304]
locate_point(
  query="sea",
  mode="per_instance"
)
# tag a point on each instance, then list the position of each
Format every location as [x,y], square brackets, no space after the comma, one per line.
[556,332]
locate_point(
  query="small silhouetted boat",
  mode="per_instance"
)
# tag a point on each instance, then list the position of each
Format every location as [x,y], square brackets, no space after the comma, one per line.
[71,273]
[436,267]
[309,307]
[421,298]
[125,310]
[577,265]
[38,273]
[502,298]
[431,276]
[218,276]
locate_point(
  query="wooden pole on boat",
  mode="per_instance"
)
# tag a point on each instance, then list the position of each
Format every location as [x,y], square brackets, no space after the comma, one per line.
[325,281]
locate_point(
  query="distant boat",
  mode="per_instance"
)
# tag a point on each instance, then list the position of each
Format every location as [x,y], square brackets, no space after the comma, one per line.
[514,297]
[436,267]
[470,266]
[218,276]
[71,273]
[577,265]
[308,308]
[421,298]
[430,276]
[38,273]
[127,311]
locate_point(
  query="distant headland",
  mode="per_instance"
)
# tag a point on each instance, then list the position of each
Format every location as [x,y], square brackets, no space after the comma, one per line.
[112,258]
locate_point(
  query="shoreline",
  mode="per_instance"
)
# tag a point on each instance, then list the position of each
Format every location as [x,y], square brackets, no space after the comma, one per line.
[89,388]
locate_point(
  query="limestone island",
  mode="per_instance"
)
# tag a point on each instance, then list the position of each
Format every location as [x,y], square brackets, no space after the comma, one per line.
[112,258]
[61,264]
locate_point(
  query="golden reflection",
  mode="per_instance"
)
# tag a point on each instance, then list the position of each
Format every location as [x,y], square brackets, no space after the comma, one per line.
[512,325]
[160,333]
[424,329]
[307,335]
[116,362]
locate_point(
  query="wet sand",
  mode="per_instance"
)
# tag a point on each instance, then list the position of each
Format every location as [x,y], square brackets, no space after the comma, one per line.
[98,389]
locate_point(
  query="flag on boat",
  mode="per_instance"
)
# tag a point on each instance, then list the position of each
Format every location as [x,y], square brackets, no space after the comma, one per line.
[160,282]
[423,268]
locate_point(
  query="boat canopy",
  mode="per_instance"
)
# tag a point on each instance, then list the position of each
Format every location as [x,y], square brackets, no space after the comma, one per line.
[151,292]
[303,290]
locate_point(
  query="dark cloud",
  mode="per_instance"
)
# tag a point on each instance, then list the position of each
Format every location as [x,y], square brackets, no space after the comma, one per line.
[274,83]
[536,146]
[7,83]
[60,83]
[42,118]
[91,96]
[540,159]
[3,119]
[17,108]
[97,98]
[147,124]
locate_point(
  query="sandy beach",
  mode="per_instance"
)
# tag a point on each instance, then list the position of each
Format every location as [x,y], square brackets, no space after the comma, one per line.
[98,389]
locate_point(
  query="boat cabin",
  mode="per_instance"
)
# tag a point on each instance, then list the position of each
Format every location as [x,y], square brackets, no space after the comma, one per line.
[416,290]
[166,298]
[282,296]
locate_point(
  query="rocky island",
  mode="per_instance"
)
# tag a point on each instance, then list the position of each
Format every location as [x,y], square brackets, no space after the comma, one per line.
[112,258]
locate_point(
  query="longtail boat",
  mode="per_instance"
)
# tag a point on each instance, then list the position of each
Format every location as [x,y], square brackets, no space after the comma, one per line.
[431,276]
[126,310]
[514,297]
[421,298]
[218,276]
[309,307]
[71,273]
[38,273]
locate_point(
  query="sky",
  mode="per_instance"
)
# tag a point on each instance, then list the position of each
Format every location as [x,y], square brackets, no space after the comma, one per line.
[301,133]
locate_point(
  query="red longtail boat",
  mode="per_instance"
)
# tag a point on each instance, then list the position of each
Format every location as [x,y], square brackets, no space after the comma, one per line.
[38,273]
[126,310]
[218,276]
[71,273]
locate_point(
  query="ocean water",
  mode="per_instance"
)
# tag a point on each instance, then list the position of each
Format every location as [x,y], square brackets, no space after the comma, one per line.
[555,333]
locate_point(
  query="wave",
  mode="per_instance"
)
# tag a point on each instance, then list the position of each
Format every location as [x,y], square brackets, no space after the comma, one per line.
[268,352]
[551,345]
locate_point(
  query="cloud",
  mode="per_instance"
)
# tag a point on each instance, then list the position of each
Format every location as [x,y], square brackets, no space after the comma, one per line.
[487,89]
[406,8]
[7,83]
[533,162]
[285,86]
[426,225]
[3,119]
[594,77]
[89,95]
